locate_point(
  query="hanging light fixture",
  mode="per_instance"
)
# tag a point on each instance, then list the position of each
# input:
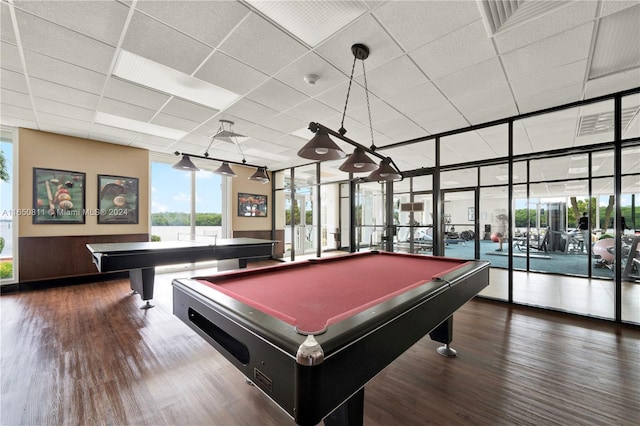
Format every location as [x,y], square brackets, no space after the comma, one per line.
[260,175]
[322,147]
[226,134]
[185,163]
[385,172]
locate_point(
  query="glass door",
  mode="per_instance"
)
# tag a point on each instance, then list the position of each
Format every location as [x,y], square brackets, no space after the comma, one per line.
[459,223]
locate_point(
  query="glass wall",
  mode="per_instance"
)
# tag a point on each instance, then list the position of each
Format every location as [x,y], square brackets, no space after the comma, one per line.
[525,217]
[370,215]
[413,215]
[8,220]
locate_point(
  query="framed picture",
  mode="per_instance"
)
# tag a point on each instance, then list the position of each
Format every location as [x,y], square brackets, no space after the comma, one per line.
[117,199]
[58,196]
[472,214]
[252,205]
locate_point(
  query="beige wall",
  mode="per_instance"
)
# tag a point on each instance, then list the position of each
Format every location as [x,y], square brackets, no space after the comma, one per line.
[241,183]
[53,151]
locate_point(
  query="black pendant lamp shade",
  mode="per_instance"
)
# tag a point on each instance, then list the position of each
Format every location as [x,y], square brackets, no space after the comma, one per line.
[385,172]
[321,147]
[185,163]
[260,175]
[358,162]
[225,170]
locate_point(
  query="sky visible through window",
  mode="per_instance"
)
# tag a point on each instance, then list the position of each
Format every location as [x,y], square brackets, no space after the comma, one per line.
[171,190]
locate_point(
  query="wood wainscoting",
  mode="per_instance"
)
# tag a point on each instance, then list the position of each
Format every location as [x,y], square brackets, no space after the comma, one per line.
[48,258]
[278,251]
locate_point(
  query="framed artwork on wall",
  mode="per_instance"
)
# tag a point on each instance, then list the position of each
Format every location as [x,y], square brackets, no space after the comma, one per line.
[252,205]
[471,214]
[58,196]
[117,200]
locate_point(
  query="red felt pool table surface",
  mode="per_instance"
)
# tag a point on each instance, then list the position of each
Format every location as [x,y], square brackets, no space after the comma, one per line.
[312,295]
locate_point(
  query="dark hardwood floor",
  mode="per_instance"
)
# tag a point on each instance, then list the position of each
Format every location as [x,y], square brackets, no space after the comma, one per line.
[87,355]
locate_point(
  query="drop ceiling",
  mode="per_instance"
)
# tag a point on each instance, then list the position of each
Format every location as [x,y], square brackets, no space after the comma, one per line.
[160,75]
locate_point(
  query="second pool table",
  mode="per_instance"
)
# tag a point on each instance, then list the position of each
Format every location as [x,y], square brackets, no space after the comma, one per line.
[311,334]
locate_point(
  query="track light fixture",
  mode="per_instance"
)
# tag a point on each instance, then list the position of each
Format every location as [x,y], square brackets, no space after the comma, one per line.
[225,169]
[226,134]
[321,147]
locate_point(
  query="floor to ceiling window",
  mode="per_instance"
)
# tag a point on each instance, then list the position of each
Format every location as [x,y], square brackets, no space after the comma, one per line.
[8,219]
[186,205]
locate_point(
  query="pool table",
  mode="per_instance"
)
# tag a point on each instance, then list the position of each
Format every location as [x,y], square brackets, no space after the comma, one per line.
[140,258]
[311,334]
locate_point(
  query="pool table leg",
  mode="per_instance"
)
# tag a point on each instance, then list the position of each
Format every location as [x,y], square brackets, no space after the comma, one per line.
[444,334]
[350,413]
[142,283]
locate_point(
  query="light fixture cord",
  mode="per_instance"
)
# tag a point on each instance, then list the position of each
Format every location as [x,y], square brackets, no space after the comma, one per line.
[244,160]
[366,91]
[346,102]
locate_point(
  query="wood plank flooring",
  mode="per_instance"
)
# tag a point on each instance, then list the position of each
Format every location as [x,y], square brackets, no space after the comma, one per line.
[87,355]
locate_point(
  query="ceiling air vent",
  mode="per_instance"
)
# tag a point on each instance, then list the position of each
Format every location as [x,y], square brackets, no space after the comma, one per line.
[603,122]
[500,15]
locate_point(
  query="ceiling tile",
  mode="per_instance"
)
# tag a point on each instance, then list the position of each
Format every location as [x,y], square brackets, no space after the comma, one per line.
[494,112]
[613,83]
[328,76]
[312,110]
[6,26]
[457,50]
[549,53]
[49,69]
[99,131]
[184,109]
[557,97]
[440,119]
[382,48]
[10,57]
[285,123]
[123,109]
[277,95]
[231,74]
[469,102]
[418,98]
[14,114]
[311,22]
[101,20]
[415,23]
[63,109]
[133,94]
[551,80]
[174,122]
[562,19]
[13,80]
[611,54]
[177,50]
[64,94]
[66,45]
[472,79]
[262,46]
[395,76]
[48,121]
[248,108]
[207,21]
[609,7]
[18,99]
